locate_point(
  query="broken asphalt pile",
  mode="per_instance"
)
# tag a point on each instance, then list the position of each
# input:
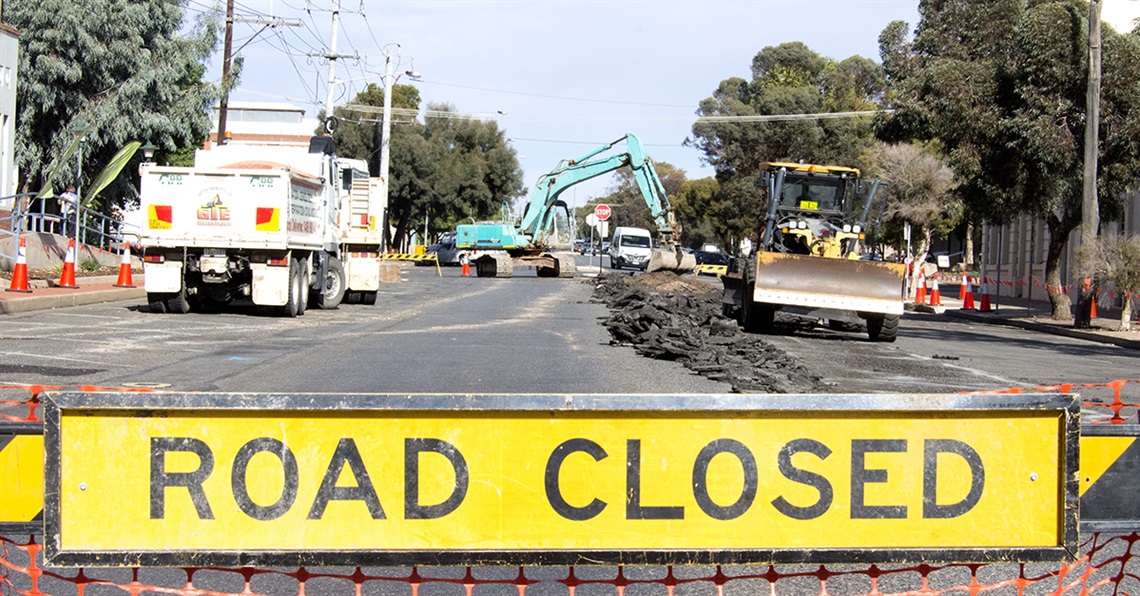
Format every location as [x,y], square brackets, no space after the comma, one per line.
[671,317]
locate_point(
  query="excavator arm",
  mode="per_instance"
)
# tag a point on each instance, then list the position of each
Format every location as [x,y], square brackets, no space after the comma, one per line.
[535,230]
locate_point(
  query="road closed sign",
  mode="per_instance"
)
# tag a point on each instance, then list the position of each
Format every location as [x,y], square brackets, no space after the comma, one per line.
[192,479]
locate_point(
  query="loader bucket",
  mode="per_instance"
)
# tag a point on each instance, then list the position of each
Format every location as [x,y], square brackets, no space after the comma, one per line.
[841,284]
[671,260]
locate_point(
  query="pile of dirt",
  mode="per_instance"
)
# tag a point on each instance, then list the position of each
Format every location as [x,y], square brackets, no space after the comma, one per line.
[670,317]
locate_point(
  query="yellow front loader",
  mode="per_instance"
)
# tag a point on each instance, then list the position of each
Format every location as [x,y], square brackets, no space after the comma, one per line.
[809,258]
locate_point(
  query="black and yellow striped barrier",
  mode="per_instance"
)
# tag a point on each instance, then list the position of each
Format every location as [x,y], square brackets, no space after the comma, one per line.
[408,257]
[712,269]
[414,257]
[21,478]
[1110,477]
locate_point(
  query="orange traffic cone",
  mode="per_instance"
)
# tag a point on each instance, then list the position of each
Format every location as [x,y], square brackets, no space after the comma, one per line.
[125,280]
[466,264]
[1092,299]
[920,293]
[67,276]
[968,298]
[985,295]
[935,295]
[965,287]
[20,272]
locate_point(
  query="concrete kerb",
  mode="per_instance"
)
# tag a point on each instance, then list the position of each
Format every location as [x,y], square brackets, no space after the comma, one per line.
[91,290]
[1020,317]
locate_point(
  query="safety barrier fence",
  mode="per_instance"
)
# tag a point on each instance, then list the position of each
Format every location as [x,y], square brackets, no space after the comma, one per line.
[1107,563]
[976,282]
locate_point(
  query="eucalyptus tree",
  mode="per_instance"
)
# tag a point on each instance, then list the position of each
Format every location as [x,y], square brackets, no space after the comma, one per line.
[736,133]
[1002,86]
[122,70]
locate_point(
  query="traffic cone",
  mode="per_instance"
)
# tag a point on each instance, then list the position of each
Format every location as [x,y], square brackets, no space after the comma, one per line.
[968,299]
[20,272]
[466,265]
[1092,299]
[67,276]
[125,280]
[920,293]
[985,295]
[964,288]
[935,295]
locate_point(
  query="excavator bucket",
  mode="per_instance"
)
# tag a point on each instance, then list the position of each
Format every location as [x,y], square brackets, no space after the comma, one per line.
[671,260]
[842,284]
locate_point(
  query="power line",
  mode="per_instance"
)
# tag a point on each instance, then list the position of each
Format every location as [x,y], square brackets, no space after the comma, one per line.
[792,117]
[581,99]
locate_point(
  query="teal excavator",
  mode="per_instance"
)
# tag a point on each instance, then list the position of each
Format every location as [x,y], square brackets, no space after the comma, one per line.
[545,236]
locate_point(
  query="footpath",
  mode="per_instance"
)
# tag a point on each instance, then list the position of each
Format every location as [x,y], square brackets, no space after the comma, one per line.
[47,295]
[1035,316]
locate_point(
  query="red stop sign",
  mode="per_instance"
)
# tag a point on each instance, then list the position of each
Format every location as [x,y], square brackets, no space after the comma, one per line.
[602,212]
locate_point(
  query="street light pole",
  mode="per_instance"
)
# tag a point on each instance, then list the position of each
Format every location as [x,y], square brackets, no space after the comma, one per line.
[386,125]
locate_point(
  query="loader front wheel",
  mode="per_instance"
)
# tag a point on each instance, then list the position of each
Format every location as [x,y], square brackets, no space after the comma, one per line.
[884,328]
[757,317]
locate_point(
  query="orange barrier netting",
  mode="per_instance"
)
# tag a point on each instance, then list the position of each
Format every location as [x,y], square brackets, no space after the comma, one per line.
[1104,567]
[1106,564]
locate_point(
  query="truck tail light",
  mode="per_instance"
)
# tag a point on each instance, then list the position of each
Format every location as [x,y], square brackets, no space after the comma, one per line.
[154,259]
[277,261]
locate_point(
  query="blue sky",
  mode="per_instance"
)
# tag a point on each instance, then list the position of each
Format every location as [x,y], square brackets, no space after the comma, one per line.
[561,78]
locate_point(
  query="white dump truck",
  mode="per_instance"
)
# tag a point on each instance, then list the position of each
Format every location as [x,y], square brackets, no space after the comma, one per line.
[271,224]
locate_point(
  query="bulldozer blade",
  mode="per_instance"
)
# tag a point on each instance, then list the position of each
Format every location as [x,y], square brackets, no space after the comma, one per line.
[671,260]
[818,282]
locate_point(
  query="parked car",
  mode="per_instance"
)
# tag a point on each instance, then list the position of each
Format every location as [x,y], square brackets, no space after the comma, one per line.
[445,250]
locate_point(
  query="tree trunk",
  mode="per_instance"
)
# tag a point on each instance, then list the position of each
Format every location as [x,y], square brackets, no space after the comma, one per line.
[1058,238]
[968,257]
[1126,313]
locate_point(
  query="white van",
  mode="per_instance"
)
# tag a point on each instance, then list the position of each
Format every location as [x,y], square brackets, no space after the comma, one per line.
[630,247]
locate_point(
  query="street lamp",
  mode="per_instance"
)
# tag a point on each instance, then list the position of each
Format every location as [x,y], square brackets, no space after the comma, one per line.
[148,152]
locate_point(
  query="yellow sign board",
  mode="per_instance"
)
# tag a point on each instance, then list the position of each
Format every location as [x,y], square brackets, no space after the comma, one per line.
[385,475]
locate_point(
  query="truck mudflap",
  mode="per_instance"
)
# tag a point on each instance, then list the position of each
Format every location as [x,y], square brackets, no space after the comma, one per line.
[816,282]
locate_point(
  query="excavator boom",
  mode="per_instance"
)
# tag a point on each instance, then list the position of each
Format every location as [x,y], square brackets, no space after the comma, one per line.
[540,231]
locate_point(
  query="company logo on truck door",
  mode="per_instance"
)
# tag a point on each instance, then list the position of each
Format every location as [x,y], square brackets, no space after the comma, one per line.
[214,211]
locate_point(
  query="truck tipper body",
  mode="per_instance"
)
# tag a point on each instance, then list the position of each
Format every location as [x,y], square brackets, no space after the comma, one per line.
[273,225]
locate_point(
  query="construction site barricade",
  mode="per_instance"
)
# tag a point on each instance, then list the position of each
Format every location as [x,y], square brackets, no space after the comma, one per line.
[1100,561]
[418,257]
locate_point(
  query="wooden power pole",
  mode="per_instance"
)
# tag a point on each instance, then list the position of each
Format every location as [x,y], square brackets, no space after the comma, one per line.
[227,49]
[1090,206]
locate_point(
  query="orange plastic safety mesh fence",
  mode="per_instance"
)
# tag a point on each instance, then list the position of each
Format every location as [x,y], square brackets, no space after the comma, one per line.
[1108,564]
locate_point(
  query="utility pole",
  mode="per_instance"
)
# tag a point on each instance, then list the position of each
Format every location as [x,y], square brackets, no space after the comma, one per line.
[227,49]
[386,125]
[332,56]
[1090,207]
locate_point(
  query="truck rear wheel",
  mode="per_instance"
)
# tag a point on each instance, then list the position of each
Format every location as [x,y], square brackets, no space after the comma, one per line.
[293,305]
[330,292]
[156,302]
[368,298]
[884,328]
[178,303]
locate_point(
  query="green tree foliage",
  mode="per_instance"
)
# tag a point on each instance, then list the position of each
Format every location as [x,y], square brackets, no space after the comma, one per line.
[1002,86]
[920,191]
[451,168]
[123,68]
[1118,261]
[786,79]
